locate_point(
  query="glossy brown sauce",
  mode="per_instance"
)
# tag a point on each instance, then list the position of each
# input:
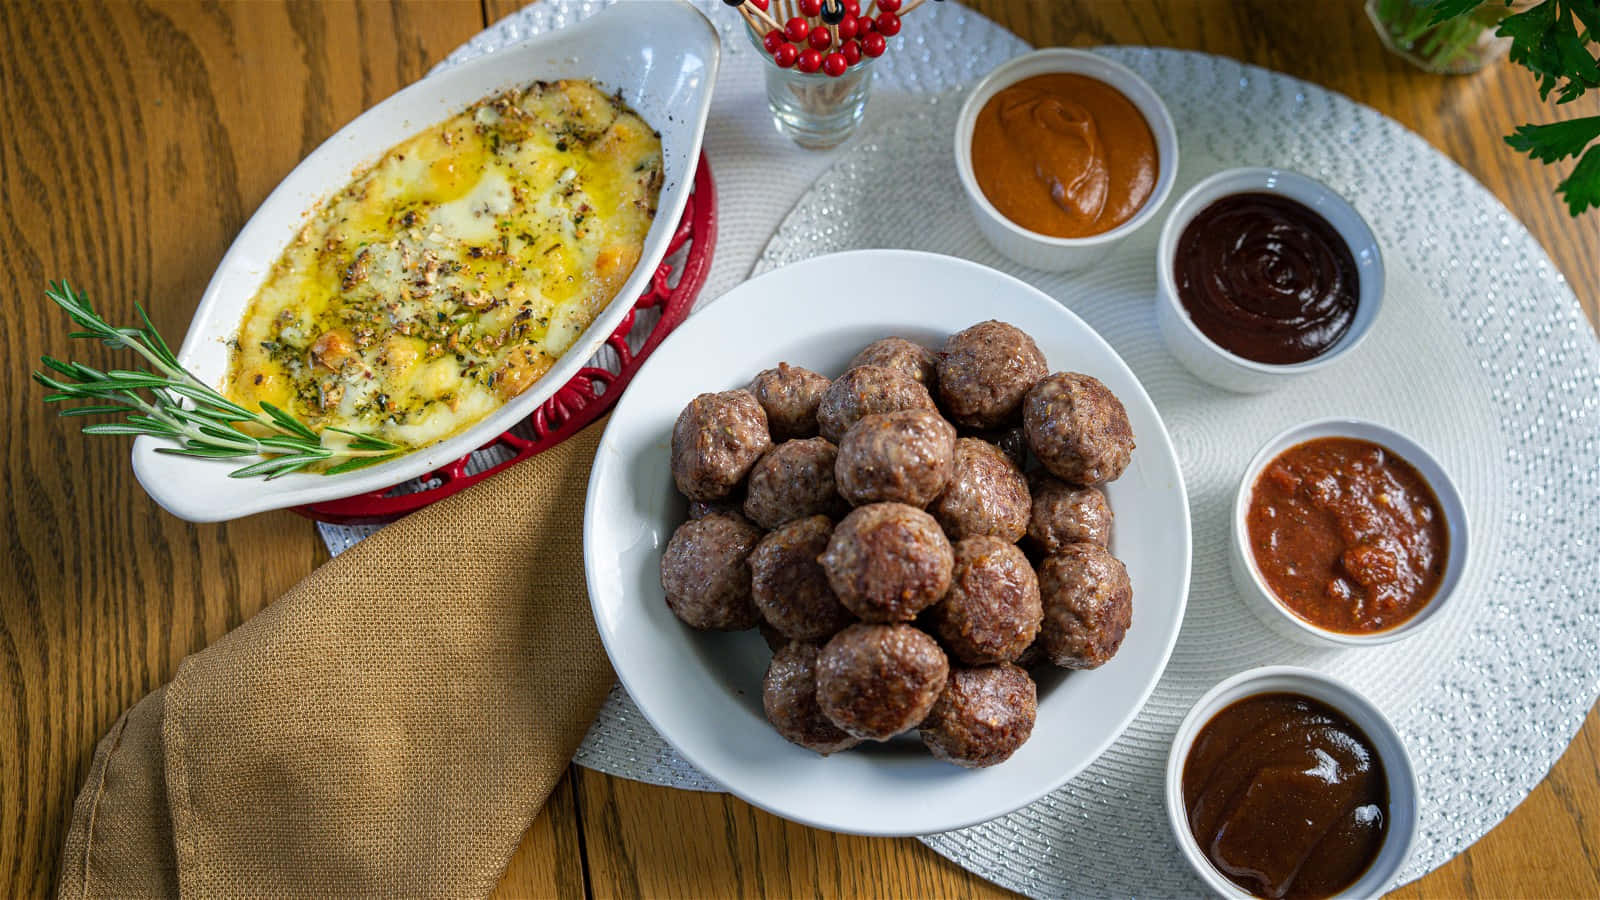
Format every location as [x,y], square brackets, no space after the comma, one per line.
[1266,278]
[1286,796]
[1064,155]
[1348,535]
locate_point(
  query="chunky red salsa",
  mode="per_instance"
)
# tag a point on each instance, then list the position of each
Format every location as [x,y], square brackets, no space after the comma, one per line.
[1347,534]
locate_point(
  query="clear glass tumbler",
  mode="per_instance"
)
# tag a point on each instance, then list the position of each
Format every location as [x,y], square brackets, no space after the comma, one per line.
[815,110]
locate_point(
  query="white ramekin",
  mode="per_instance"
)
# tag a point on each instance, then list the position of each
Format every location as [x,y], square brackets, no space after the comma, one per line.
[1259,596]
[1201,355]
[1397,768]
[1040,251]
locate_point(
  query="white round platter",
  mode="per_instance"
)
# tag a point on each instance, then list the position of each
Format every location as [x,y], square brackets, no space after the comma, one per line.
[702,691]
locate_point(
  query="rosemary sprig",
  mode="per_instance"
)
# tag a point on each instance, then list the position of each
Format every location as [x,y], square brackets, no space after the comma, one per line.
[167,401]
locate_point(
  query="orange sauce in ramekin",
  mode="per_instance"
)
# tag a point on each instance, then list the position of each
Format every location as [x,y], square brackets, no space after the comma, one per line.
[1064,155]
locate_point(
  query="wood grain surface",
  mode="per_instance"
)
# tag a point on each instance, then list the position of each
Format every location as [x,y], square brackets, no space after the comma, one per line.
[135,140]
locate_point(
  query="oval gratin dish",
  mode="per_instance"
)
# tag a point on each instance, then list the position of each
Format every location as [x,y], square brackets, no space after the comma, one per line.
[662,57]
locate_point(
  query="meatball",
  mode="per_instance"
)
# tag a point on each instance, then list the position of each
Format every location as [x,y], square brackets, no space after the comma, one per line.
[984,372]
[789,696]
[902,456]
[865,391]
[715,441]
[876,681]
[1078,428]
[1063,514]
[704,574]
[906,357]
[793,481]
[790,395]
[982,716]
[987,494]
[991,613]
[888,561]
[1088,605]
[788,584]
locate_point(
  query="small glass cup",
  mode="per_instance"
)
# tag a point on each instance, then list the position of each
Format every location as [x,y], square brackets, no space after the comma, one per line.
[1459,46]
[815,110]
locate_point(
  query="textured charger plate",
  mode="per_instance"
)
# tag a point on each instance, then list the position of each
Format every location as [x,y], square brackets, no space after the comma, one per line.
[1482,355]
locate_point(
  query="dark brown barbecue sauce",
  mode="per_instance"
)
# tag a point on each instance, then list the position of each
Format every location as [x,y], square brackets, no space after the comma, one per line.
[1286,796]
[1266,278]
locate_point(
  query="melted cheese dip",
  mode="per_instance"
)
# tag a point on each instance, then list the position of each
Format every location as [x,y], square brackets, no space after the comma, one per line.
[453,274]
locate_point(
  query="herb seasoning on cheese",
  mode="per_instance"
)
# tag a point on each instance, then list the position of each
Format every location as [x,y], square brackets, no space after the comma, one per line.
[451,276]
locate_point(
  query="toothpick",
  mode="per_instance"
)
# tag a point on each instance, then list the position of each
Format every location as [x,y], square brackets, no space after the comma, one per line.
[750,19]
[758,18]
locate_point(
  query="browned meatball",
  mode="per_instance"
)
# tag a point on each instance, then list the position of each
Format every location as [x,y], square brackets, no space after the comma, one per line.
[1064,514]
[984,372]
[991,613]
[1078,428]
[906,357]
[888,561]
[904,457]
[876,681]
[794,480]
[986,495]
[704,574]
[789,696]
[715,441]
[790,395]
[1088,605]
[865,391]
[789,586]
[982,716]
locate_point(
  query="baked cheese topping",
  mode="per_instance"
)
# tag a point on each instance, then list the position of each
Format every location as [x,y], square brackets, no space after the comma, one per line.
[450,276]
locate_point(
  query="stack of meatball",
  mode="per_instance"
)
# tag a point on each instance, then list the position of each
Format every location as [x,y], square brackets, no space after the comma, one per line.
[891,548]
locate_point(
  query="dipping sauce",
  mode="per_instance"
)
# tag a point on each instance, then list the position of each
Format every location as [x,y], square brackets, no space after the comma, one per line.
[1266,278]
[1064,155]
[1348,535]
[1286,796]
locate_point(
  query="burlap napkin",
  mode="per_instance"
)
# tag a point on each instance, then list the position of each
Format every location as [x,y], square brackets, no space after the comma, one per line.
[388,727]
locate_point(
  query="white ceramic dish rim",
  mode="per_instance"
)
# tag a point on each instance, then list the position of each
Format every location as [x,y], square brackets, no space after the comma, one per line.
[1457,525]
[1078,62]
[631,680]
[1266,179]
[1397,765]
[199,490]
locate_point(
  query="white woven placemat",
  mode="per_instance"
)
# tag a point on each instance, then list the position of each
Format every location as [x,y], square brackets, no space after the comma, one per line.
[1481,353]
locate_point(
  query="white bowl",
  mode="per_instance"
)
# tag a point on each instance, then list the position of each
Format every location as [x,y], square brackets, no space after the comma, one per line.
[1041,251]
[1260,597]
[1401,777]
[702,691]
[1201,355]
[662,56]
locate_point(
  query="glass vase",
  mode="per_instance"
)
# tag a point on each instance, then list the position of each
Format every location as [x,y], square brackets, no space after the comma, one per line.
[1454,47]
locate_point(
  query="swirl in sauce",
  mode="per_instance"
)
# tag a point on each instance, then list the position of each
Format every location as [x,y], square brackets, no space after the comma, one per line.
[1064,155]
[1266,278]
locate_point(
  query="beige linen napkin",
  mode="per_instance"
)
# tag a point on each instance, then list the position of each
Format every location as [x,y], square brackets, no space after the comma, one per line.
[390,726]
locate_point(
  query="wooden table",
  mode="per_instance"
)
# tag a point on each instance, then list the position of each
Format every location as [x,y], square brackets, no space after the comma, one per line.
[136,138]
